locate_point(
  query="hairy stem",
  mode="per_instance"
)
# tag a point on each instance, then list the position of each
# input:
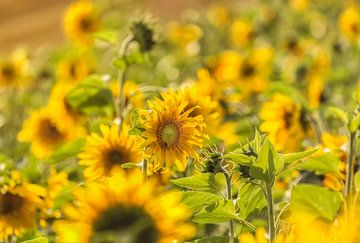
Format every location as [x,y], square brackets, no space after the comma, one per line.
[229,197]
[271,215]
[350,167]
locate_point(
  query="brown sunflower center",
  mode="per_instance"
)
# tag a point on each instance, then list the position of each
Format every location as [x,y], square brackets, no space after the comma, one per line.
[8,71]
[288,117]
[10,203]
[355,28]
[86,23]
[124,224]
[247,70]
[168,134]
[49,132]
[116,156]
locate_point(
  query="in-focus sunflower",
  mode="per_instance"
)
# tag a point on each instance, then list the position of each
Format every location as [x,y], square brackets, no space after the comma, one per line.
[103,155]
[124,209]
[73,69]
[60,109]
[171,134]
[45,135]
[19,202]
[282,121]
[14,71]
[80,21]
[349,22]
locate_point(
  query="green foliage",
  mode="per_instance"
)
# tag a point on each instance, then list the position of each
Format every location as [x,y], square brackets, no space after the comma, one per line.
[91,97]
[202,182]
[197,200]
[316,200]
[250,200]
[322,164]
[217,212]
[294,157]
[357,181]
[67,151]
[212,239]
[108,36]
[37,240]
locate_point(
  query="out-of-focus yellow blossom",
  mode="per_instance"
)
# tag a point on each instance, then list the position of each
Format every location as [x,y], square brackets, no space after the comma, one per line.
[349,22]
[228,132]
[281,121]
[171,134]
[242,32]
[73,69]
[42,131]
[124,207]
[103,155]
[185,36]
[19,202]
[218,14]
[315,90]
[134,98]
[227,67]
[81,20]
[259,237]
[300,5]
[14,71]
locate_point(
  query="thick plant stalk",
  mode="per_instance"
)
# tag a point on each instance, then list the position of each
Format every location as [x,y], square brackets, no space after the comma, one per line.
[350,166]
[229,197]
[271,215]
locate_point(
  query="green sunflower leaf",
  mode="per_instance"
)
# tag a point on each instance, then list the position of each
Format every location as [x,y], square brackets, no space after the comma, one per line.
[67,151]
[294,157]
[37,240]
[322,164]
[202,182]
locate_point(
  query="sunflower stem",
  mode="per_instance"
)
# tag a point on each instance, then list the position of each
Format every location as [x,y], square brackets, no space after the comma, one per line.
[271,215]
[144,170]
[350,167]
[122,79]
[229,197]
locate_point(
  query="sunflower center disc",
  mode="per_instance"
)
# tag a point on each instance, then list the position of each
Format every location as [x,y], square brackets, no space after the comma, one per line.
[170,134]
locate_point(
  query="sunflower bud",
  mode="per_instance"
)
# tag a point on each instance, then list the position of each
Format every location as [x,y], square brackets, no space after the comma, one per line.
[143,35]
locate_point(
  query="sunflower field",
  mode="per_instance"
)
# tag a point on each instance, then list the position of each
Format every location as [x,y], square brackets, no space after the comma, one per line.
[236,123]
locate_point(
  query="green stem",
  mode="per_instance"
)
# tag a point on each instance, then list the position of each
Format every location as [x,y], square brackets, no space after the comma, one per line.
[144,170]
[229,197]
[271,215]
[122,78]
[350,167]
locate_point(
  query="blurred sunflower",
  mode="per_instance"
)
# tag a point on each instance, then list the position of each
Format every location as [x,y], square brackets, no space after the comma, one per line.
[63,114]
[226,67]
[19,202]
[299,5]
[104,155]
[73,69]
[14,71]
[282,121]
[259,237]
[123,208]
[218,14]
[349,22]
[80,21]
[242,32]
[171,134]
[45,135]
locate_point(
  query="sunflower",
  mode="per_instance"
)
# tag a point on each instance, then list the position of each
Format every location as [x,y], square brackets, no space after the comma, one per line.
[19,202]
[282,121]
[242,32]
[184,35]
[14,71]
[60,109]
[124,209]
[74,68]
[349,23]
[171,134]
[104,155]
[80,21]
[219,15]
[299,5]
[45,135]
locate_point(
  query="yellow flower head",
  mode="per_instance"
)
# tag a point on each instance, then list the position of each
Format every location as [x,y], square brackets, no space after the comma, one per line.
[80,21]
[14,71]
[282,121]
[184,34]
[218,14]
[60,109]
[242,32]
[44,133]
[123,208]
[299,5]
[19,203]
[103,155]
[349,23]
[73,69]
[172,134]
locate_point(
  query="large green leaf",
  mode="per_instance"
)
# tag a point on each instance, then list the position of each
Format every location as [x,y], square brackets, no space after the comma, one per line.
[196,200]
[238,157]
[91,96]
[294,157]
[202,182]
[316,200]
[108,36]
[37,240]
[66,151]
[215,213]
[251,199]
[322,164]
[212,239]
[268,164]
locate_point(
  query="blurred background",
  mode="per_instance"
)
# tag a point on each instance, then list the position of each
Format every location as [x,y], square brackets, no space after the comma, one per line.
[35,22]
